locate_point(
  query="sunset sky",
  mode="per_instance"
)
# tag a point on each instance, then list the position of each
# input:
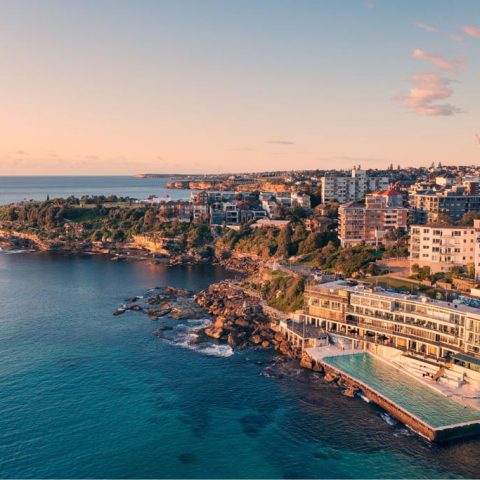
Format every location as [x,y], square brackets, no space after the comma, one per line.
[115,87]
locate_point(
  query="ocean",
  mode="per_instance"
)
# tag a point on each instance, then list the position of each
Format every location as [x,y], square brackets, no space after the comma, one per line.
[15,189]
[85,394]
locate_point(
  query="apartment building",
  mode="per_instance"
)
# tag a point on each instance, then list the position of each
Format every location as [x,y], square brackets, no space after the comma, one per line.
[443,247]
[472,185]
[369,222]
[224,212]
[200,212]
[352,188]
[270,201]
[301,199]
[351,224]
[423,327]
[427,206]
[175,210]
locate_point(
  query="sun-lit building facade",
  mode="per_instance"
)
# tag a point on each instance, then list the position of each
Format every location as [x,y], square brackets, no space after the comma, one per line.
[419,325]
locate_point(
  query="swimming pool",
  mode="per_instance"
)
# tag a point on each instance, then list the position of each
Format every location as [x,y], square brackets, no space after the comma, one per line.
[411,395]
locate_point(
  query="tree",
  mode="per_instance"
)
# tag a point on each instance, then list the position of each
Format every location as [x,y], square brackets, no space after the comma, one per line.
[470,269]
[421,273]
[299,234]
[456,271]
[444,219]
[373,269]
[118,236]
[468,218]
[284,248]
[198,236]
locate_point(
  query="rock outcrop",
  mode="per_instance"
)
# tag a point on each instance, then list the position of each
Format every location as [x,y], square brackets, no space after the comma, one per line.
[177,303]
[240,319]
[308,362]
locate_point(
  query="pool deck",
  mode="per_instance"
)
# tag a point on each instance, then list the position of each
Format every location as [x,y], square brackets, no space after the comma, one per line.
[421,426]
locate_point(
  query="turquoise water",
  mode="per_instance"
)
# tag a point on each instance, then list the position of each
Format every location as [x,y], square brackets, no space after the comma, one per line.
[418,399]
[85,394]
[15,189]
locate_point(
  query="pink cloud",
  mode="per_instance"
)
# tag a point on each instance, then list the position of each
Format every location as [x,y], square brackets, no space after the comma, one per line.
[426,27]
[471,31]
[456,38]
[429,88]
[455,65]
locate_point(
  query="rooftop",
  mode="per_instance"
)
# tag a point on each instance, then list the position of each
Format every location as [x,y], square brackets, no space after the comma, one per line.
[389,192]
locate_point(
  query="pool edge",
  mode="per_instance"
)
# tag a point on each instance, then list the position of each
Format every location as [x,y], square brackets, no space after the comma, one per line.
[421,427]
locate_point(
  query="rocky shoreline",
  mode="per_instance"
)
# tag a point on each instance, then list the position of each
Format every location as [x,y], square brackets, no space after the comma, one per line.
[19,241]
[177,303]
[348,387]
[240,319]
[237,318]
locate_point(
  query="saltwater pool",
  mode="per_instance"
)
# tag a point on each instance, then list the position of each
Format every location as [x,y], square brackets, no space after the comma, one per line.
[411,395]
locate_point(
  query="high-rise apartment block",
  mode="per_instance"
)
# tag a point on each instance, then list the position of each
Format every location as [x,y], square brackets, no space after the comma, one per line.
[443,247]
[369,222]
[351,189]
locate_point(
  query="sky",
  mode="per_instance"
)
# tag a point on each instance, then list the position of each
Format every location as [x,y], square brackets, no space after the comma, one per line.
[118,87]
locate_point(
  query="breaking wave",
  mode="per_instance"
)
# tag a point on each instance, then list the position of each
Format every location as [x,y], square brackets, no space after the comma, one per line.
[186,335]
[14,252]
[388,419]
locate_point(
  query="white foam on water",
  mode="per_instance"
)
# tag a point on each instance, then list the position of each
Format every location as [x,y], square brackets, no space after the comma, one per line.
[388,419]
[186,336]
[363,397]
[404,432]
[215,350]
[14,252]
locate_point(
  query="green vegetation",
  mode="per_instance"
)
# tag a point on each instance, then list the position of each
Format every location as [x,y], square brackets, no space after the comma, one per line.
[420,273]
[397,241]
[260,241]
[284,292]
[357,260]
[112,219]
[273,242]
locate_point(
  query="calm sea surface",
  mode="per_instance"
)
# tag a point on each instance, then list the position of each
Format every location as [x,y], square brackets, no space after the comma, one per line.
[86,394]
[15,189]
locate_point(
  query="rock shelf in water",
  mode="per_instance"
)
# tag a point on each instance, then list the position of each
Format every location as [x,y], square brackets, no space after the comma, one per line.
[237,318]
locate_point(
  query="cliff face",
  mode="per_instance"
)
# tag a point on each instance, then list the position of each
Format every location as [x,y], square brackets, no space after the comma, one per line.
[178,185]
[228,185]
[150,243]
[28,240]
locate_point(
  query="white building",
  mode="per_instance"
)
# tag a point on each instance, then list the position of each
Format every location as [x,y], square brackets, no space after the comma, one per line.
[443,247]
[301,199]
[272,200]
[351,189]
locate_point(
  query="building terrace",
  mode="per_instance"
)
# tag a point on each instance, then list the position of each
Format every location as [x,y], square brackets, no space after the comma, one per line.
[430,328]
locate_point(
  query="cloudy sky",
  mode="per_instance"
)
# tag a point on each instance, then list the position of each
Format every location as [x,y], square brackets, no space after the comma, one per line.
[121,87]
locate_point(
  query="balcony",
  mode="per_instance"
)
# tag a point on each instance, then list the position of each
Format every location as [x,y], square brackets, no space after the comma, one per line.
[386,331]
[305,330]
[326,313]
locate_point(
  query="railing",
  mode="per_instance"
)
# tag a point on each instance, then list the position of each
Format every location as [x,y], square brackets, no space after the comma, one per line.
[417,338]
[325,313]
[305,330]
[399,312]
